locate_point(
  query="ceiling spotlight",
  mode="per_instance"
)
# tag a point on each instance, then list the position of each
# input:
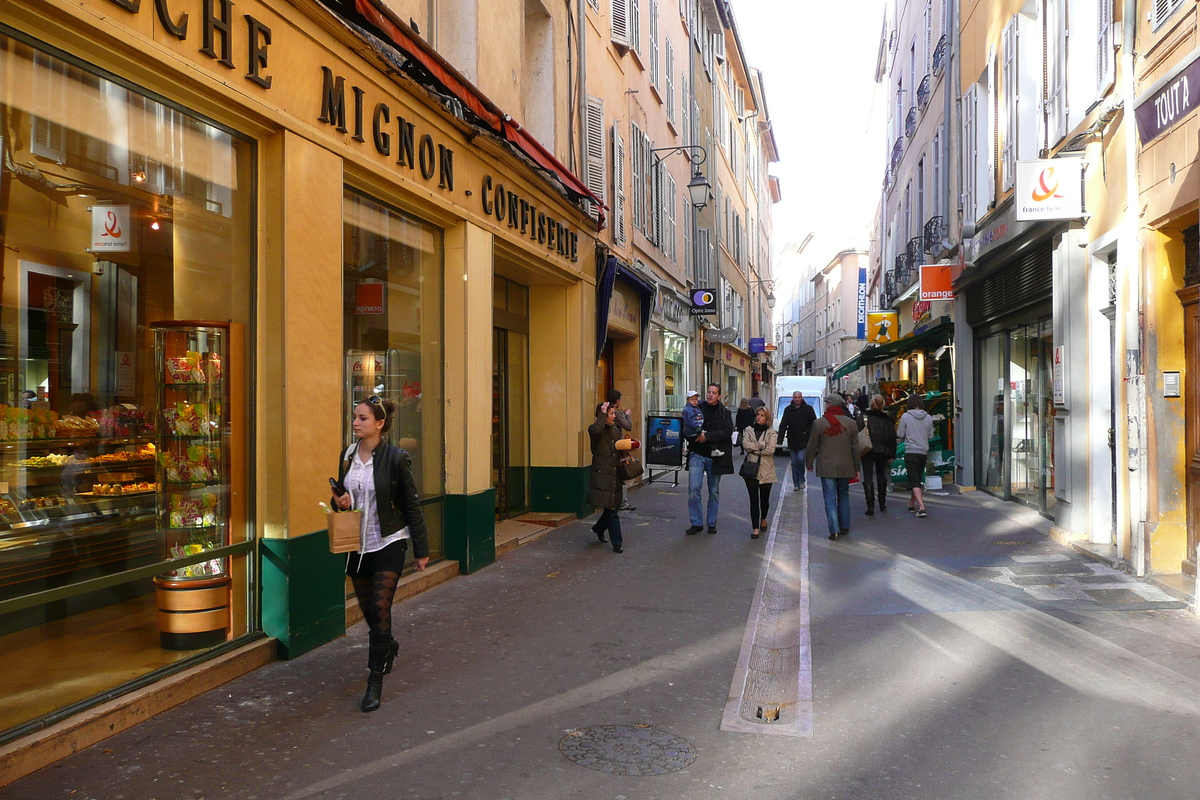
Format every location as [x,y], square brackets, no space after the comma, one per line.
[139,176]
[154,225]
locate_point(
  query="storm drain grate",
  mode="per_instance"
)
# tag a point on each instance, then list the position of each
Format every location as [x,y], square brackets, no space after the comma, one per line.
[1115,596]
[978,573]
[627,750]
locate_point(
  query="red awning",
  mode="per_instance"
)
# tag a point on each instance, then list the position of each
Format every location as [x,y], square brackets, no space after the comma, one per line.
[381,17]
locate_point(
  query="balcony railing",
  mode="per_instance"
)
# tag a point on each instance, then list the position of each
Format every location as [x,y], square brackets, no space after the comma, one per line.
[910,122]
[933,235]
[923,92]
[889,290]
[897,154]
[915,251]
[941,54]
[900,272]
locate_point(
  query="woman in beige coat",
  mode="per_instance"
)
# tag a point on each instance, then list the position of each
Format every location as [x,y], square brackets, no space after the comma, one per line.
[759,440]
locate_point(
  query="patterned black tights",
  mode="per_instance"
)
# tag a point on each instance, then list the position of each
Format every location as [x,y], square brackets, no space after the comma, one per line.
[375,599]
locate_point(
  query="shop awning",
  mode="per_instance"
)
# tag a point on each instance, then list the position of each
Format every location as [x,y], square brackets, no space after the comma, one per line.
[936,336]
[614,268]
[433,68]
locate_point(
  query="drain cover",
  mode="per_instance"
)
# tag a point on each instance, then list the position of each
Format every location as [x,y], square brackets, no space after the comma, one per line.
[627,750]
[978,573]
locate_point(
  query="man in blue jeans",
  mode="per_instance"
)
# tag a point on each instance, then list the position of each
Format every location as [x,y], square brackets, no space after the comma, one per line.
[794,427]
[712,456]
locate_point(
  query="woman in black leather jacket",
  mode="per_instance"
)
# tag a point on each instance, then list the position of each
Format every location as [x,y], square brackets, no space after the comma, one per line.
[379,482]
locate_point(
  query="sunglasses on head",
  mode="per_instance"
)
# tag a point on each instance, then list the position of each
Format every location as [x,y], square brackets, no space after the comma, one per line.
[377,401]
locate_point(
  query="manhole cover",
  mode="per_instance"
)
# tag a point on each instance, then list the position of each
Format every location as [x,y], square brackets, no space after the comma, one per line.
[978,573]
[627,750]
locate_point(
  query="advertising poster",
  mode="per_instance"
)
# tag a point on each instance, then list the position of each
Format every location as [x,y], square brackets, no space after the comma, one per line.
[664,441]
[936,282]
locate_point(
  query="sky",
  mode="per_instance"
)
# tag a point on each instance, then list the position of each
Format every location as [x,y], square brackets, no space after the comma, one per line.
[828,115]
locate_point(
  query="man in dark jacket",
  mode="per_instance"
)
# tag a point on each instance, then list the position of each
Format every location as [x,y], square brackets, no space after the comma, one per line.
[711,455]
[794,428]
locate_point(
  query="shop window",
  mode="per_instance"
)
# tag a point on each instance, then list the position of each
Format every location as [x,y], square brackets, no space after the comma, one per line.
[122,428]
[393,335]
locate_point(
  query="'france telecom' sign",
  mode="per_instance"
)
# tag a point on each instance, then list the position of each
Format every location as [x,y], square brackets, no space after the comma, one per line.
[1049,189]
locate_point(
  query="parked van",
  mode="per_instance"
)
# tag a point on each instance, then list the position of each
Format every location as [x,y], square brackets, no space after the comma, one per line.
[811,386]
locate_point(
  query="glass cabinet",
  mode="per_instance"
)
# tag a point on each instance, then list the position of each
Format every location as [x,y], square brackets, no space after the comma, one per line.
[193,480]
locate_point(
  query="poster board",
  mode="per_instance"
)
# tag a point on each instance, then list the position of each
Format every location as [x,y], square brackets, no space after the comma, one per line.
[664,441]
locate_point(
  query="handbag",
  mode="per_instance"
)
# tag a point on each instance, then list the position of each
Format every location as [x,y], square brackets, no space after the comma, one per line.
[629,467]
[865,445]
[749,469]
[345,529]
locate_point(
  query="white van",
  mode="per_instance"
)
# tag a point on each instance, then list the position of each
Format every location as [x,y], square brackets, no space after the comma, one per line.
[813,387]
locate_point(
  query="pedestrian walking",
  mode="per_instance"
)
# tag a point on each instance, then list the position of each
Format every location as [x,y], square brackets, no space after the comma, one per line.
[759,440]
[756,402]
[742,420]
[876,462]
[711,456]
[378,480]
[916,429]
[794,428]
[604,485]
[625,423]
[833,454]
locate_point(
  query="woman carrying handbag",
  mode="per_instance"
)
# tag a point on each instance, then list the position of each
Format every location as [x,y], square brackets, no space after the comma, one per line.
[379,481]
[604,483]
[758,470]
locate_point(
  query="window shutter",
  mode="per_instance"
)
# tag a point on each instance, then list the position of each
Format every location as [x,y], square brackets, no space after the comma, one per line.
[1104,46]
[620,22]
[689,261]
[618,195]
[637,179]
[635,24]
[594,138]
[658,190]
[49,139]
[1055,71]
[970,154]
[685,129]
[595,4]
[1008,79]
[987,129]
[671,200]
[655,76]
[670,70]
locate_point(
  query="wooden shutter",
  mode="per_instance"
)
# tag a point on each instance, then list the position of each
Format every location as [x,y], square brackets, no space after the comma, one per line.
[1008,105]
[635,24]
[594,144]
[672,236]
[1104,46]
[669,66]
[620,22]
[970,153]
[618,195]
[655,76]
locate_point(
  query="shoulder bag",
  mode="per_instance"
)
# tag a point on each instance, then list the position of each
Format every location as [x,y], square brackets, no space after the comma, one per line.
[864,440]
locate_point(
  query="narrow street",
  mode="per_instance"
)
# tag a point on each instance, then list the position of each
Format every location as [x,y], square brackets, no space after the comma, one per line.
[962,655]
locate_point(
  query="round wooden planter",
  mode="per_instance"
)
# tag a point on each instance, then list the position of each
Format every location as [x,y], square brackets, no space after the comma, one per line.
[194,614]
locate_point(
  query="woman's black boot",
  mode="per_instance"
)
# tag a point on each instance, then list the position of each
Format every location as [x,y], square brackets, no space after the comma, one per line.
[377,658]
[871,500]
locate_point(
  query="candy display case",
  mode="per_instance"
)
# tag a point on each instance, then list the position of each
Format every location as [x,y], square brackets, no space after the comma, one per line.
[193,480]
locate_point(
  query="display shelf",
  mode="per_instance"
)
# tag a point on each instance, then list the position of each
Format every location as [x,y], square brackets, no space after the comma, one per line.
[203,385]
[80,441]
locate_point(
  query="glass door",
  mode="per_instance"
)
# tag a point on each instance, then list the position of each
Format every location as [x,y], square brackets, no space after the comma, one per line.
[1022,411]
[510,422]
[1046,416]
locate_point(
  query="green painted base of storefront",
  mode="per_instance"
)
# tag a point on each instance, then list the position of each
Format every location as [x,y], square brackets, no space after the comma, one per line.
[562,489]
[471,530]
[303,592]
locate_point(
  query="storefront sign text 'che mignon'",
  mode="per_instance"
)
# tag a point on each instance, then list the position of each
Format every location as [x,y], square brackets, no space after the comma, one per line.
[217,33]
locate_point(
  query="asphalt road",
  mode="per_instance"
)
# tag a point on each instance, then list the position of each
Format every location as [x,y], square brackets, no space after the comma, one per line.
[959,656]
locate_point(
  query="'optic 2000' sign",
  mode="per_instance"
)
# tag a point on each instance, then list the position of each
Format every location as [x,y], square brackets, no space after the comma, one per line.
[704,302]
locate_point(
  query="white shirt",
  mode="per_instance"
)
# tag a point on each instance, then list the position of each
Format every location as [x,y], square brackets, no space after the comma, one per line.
[360,482]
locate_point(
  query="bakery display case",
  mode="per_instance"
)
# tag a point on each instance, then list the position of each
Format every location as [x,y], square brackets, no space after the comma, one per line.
[192,481]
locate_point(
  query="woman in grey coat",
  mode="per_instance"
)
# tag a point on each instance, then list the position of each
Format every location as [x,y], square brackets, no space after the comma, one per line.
[833,454]
[604,486]
[916,429]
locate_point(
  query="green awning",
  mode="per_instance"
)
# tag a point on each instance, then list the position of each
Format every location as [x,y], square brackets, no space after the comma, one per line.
[936,336]
[848,366]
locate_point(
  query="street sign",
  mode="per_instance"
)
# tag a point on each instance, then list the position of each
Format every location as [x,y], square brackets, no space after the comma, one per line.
[758,344]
